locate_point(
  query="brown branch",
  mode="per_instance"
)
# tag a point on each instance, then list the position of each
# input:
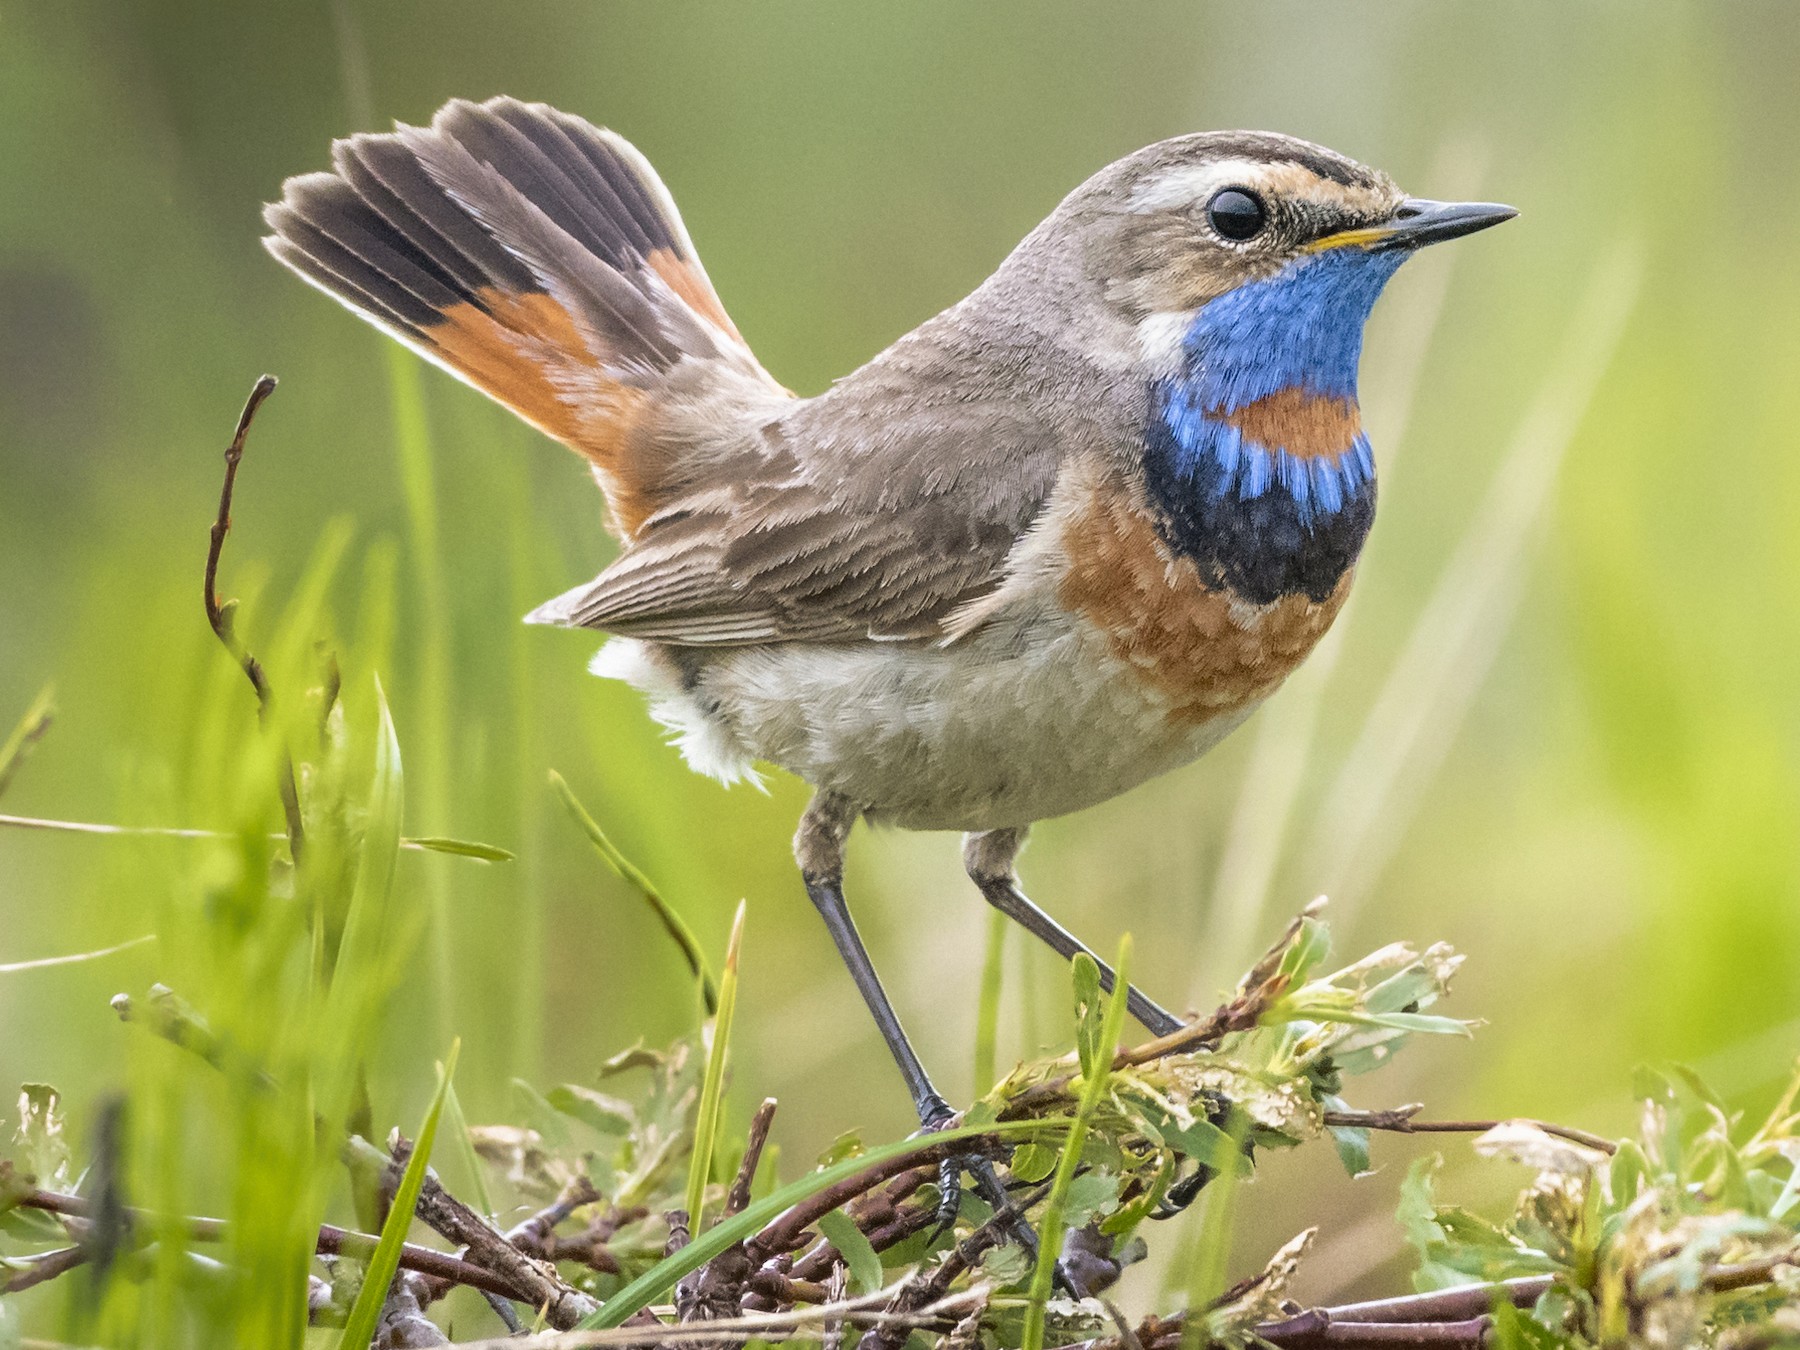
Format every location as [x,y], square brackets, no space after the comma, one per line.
[863,1311]
[786,1231]
[221,615]
[561,1303]
[332,1240]
[739,1195]
[535,1234]
[45,1267]
[1401,1120]
[1257,992]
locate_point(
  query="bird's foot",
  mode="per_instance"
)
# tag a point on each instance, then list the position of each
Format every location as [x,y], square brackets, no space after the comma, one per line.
[980,1168]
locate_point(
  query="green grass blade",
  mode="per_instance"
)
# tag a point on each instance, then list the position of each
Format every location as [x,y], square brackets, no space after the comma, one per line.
[987,1010]
[623,868]
[712,1088]
[661,1277]
[74,958]
[359,1328]
[30,730]
[461,848]
[1093,1088]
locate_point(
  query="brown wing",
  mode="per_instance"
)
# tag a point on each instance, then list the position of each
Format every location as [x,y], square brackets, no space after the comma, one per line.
[877,514]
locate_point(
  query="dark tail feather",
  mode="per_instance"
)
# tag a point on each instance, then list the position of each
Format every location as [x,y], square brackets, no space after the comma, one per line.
[532,255]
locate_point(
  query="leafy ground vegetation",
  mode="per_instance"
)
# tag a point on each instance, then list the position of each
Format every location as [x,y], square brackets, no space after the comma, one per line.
[620,1211]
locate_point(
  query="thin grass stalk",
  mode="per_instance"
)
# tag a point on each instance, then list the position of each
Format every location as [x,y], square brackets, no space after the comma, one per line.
[1093,1088]
[712,1087]
[27,733]
[623,868]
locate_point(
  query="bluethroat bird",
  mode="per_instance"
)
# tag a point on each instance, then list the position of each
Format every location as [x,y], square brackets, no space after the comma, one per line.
[1057,540]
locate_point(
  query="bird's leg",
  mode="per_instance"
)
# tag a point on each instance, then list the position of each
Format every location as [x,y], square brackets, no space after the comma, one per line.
[988,858]
[819,849]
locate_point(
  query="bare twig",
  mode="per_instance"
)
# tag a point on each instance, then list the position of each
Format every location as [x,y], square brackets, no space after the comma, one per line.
[1401,1120]
[807,1323]
[923,1290]
[533,1235]
[45,1267]
[221,615]
[404,1325]
[561,1303]
[332,1240]
[786,1231]
[739,1195]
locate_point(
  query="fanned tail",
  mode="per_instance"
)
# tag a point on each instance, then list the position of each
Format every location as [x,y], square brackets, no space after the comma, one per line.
[541,260]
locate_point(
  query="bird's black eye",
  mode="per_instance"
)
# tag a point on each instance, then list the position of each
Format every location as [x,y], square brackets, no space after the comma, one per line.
[1236,214]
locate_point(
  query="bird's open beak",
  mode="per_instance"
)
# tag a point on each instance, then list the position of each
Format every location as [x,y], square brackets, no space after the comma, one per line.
[1418,223]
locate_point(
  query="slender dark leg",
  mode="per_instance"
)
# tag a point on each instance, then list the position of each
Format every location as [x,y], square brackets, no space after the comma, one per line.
[988,858]
[819,849]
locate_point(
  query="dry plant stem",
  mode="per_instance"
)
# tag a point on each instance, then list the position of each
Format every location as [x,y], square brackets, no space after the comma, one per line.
[922,1290]
[1400,1121]
[220,615]
[1260,988]
[787,1230]
[332,1241]
[46,1267]
[739,1194]
[807,1323]
[562,1304]
[534,1235]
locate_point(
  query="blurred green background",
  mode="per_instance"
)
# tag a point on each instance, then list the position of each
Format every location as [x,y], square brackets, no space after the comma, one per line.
[1583,768]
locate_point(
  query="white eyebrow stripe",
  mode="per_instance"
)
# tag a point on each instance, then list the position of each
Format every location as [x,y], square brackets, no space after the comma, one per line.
[1193,183]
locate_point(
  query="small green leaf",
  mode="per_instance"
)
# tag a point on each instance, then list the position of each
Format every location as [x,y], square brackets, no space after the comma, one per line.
[1352,1144]
[462,848]
[1032,1162]
[1206,1143]
[606,1114]
[1006,1265]
[1092,1194]
[359,1327]
[1311,945]
[840,1231]
[849,1144]
[43,1147]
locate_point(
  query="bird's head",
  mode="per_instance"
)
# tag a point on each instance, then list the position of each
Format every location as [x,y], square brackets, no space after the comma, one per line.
[1236,271]
[1266,251]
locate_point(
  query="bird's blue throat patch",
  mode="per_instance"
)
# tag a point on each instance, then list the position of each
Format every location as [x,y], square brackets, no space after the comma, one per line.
[1255,458]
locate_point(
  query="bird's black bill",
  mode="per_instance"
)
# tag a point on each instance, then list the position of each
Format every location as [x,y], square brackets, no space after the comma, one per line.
[1418,223]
